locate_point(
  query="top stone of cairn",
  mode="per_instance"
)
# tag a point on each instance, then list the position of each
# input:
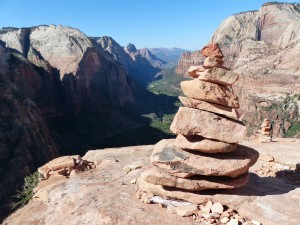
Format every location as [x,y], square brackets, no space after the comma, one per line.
[212,50]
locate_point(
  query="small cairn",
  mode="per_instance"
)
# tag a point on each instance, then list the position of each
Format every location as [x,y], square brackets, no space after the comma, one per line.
[205,153]
[265,133]
[65,166]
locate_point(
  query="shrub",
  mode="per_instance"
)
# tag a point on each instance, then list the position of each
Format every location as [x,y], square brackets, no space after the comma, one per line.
[30,182]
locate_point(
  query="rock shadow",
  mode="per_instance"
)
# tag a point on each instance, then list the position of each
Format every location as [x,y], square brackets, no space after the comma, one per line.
[256,186]
[289,176]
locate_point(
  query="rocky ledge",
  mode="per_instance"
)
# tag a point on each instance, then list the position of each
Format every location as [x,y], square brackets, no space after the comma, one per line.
[107,194]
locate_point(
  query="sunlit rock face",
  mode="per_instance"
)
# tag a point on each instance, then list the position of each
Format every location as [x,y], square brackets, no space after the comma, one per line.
[263,47]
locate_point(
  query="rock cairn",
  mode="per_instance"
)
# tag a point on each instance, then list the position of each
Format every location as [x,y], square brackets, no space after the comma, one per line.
[65,166]
[205,154]
[265,133]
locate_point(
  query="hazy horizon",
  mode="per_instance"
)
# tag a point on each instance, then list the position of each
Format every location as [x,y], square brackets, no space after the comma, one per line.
[151,24]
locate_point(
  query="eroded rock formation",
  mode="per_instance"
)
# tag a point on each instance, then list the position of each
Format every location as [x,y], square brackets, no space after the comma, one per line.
[141,64]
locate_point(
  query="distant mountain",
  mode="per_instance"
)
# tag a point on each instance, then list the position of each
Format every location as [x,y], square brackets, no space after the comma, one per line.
[169,55]
[141,65]
[152,58]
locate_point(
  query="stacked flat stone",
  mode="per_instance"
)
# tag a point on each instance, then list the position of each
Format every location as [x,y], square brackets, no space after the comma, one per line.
[205,154]
[265,133]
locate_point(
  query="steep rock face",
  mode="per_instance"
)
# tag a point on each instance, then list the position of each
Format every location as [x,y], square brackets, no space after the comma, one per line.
[187,60]
[55,74]
[140,64]
[79,60]
[116,50]
[102,77]
[144,72]
[25,142]
[156,62]
[263,47]
[62,47]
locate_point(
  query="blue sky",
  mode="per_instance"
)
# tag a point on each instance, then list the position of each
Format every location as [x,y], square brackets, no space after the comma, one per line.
[185,24]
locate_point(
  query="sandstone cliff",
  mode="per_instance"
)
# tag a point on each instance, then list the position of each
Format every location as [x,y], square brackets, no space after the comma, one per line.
[56,77]
[156,62]
[141,64]
[25,142]
[262,46]
[70,52]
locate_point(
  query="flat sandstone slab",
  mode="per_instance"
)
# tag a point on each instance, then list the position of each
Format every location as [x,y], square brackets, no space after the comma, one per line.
[210,92]
[180,163]
[106,196]
[188,121]
[192,71]
[213,62]
[210,107]
[158,177]
[201,144]
[218,76]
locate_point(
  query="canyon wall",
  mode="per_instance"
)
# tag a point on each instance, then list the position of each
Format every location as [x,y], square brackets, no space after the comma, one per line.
[60,94]
[25,142]
[263,47]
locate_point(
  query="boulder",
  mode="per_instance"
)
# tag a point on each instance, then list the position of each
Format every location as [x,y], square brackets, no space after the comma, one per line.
[210,92]
[57,164]
[196,183]
[186,210]
[212,50]
[213,62]
[201,144]
[174,160]
[210,107]
[192,71]
[188,121]
[218,76]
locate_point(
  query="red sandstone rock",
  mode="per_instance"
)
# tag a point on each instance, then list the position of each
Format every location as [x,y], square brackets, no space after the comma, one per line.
[158,177]
[57,164]
[201,144]
[213,62]
[190,121]
[210,107]
[192,71]
[212,50]
[172,159]
[218,76]
[210,92]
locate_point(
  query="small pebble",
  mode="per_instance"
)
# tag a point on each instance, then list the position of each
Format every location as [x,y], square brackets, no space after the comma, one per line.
[217,208]
[254,222]
[224,220]
[233,222]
